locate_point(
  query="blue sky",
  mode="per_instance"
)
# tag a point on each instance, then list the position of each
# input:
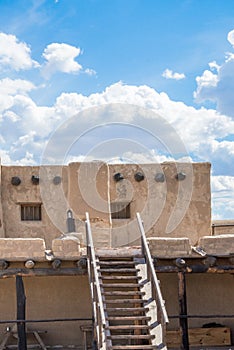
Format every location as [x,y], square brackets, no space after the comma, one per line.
[175,57]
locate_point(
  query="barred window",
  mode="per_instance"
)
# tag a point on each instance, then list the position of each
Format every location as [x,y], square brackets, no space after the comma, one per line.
[120,210]
[31,212]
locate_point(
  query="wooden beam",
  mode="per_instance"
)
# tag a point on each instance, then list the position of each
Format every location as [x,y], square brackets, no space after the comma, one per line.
[21,301]
[196,268]
[183,310]
[24,272]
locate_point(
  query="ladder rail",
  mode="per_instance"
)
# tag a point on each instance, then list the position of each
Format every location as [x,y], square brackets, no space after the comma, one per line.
[151,271]
[98,311]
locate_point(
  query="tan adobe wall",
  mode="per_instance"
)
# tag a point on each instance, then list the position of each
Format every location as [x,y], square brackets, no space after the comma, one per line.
[88,192]
[207,294]
[169,209]
[222,227]
[49,298]
[160,201]
[2,232]
[26,192]
[17,249]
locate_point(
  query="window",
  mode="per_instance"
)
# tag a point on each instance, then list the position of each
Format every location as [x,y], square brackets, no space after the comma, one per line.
[30,212]
[120,210]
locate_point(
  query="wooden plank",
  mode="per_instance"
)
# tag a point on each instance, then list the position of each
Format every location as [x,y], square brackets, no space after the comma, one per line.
[66,271]
[217,336]
[39,340]
[4,341]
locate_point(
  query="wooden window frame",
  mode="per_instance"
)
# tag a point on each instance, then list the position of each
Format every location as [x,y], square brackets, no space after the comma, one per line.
[30,212]
[120,210]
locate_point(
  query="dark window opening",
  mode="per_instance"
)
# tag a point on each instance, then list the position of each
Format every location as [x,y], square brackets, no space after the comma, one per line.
[31,212]
[120,210]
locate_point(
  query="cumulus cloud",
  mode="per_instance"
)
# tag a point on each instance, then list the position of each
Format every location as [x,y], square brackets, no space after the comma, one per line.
[14,54]
[15,86]
[169,74]
[60,58]
[230,37]
[27,127]
[203,131]
[90,71]
[217,84]
[222,197]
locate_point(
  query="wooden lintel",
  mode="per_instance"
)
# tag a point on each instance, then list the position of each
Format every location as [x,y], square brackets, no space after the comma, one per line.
[199,268]
[24,272]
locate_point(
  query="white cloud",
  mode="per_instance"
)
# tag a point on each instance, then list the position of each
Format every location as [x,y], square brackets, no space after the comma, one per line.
[230,37]
[60,58]
[169,74]
[218,87]
[12,87]
[206,80]
[14,54]
[214,66]
[27,127]
[222,197]
[90,71]
[203,131]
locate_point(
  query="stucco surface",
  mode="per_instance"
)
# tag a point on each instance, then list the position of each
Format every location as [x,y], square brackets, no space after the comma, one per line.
[17,249]
[169,209]
[50,298]
[218,245]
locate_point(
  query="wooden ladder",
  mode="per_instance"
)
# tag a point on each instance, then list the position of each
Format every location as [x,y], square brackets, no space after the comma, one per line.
[125,303]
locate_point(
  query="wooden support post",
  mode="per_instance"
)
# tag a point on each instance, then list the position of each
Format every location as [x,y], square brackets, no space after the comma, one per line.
[21,301]
[183,310]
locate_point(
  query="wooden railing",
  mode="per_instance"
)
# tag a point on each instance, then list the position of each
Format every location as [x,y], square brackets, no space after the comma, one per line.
[151,275]
[100,335]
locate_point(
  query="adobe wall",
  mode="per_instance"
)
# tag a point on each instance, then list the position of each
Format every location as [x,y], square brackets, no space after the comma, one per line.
[169,208]
[89,192]
[50,297]
[2,232]
[222,227]
[207,294]
[26,192]
[68,297]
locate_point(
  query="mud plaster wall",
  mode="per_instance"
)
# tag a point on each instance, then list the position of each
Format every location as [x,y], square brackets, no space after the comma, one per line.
[89,192]
[1,213]
[26,192]
[171,208]
[206,294]
[53,297]
[222,227]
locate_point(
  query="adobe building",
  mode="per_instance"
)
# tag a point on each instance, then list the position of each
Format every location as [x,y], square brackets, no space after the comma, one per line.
[45,276]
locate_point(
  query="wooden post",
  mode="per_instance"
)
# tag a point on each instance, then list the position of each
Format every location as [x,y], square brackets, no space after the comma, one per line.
[183,310]
[21,301]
